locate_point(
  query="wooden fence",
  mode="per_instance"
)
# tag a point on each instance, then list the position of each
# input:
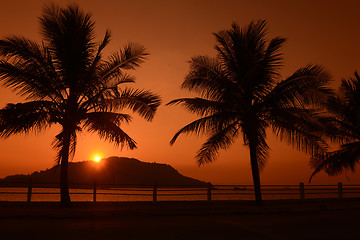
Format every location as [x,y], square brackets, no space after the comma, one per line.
[207,193]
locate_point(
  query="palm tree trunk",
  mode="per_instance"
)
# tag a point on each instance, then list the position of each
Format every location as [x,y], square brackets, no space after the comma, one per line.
[255,173]
[64,184]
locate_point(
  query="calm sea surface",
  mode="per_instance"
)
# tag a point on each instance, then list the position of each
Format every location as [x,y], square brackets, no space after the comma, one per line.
[167,194]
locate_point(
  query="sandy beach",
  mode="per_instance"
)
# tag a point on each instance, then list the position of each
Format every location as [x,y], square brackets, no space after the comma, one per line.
[312,219]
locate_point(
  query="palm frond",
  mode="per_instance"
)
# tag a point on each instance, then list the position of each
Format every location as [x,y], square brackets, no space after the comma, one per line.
[302,128]
[336,162]
[107,125]
[102,45]
[239,49]
[254,34]
[272,55]
[69,33]
[26,117]
[225,54]
[210,124]
[92,80]
[221,139]
[28,82]
[145,103]
[128,58]
[248,60]
[262,147]
[117,118]
[29,66]
[350,90]
[207,78]
[307,86]
[199,106]
[95,93]
[272,59]
[346,111]
[260,78]
[344,119]
[348,102]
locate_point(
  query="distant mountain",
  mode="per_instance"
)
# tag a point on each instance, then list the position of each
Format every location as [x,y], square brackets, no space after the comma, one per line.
[112,170]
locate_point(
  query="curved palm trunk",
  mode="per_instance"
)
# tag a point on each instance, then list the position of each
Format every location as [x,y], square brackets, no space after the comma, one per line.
[64,184]
[255,172]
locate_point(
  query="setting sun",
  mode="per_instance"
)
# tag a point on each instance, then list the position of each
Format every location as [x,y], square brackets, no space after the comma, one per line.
[97,159]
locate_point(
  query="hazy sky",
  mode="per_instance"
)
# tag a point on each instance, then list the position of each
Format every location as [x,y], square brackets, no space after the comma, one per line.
[321,32]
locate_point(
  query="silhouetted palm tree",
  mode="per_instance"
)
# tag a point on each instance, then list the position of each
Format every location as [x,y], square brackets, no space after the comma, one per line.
[345,108]
[242,94]
[66,81]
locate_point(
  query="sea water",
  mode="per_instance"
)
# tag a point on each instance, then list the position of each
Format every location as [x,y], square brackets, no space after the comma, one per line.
[167,194]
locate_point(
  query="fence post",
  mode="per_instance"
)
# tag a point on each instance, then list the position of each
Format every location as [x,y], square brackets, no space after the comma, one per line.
[155,192]
[29,193]
[340,190]
[94,192]
[209,186]
[302,191]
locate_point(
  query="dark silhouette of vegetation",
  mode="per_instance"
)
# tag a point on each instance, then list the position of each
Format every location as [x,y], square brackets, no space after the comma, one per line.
[241,93]
[344,129]
[66,81]
[112,170]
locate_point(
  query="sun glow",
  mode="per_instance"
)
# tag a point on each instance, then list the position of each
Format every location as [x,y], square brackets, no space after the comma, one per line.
[97,159]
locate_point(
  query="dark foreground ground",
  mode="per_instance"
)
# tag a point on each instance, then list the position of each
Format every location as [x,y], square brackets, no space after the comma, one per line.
[312,219]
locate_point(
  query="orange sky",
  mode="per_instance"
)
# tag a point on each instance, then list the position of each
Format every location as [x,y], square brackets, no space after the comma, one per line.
[320,32]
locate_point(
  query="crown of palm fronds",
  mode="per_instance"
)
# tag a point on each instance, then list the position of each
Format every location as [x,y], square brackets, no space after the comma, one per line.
[241,93]
[66,81]
[344,129]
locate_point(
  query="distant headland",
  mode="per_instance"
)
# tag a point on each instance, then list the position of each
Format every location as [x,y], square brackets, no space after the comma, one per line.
[112,170]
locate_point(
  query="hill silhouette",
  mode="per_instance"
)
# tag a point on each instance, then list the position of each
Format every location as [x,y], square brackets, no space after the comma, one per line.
[112,170]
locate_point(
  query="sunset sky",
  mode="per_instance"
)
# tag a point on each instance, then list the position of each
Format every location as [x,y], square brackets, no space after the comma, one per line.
[325,32]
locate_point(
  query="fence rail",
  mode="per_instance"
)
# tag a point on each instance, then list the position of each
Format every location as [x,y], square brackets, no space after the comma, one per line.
[209,192]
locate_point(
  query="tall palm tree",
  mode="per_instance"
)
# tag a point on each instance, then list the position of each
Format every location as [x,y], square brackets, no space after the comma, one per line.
[65,81]
[345,129]
[241,93]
